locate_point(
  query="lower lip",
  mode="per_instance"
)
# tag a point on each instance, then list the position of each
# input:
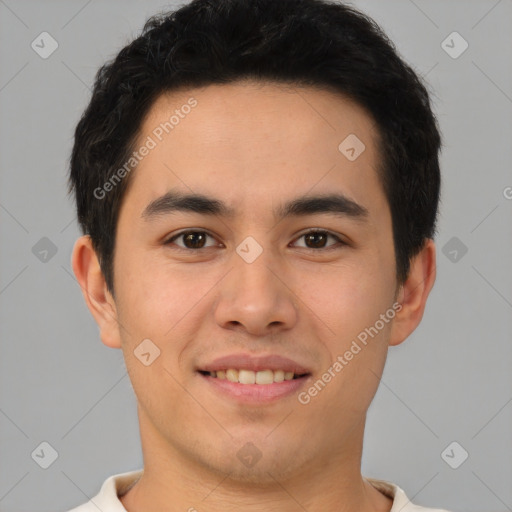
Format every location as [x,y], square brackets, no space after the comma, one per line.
[255,393]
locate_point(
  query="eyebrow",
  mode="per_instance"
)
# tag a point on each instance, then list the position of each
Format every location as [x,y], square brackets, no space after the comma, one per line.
[335,204]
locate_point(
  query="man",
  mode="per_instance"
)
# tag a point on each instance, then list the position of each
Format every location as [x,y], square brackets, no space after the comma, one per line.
[257,183]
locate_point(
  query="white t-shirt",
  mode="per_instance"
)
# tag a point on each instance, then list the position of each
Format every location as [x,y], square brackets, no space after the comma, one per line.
[107,500]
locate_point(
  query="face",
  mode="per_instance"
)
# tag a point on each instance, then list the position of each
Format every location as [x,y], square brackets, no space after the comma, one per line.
[255,286]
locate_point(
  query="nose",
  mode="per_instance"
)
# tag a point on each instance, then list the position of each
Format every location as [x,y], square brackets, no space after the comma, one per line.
[257,297]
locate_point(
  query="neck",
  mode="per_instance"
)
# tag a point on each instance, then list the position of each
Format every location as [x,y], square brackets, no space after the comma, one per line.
[172,481]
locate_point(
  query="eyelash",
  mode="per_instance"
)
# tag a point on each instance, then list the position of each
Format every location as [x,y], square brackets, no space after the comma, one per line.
[313,231]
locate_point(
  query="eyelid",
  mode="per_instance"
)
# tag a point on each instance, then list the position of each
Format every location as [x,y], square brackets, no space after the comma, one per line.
[340,241]
[171,239]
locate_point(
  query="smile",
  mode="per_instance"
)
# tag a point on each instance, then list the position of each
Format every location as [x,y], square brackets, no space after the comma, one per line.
[252,377]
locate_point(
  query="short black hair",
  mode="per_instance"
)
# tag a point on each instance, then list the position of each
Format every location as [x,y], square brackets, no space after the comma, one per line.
[316,43]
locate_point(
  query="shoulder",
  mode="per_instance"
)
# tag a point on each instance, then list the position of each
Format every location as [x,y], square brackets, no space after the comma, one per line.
[86,507]
[401,503]
[107,499]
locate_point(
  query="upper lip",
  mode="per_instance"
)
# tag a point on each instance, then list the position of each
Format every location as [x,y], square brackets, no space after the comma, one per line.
[254,363]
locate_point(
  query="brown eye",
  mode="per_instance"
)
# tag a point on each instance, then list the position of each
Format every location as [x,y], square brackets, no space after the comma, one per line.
[316,240]
[191,239]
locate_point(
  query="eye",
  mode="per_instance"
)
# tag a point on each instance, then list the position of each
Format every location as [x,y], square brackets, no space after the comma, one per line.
[196,239]
[318,237]
[193,240]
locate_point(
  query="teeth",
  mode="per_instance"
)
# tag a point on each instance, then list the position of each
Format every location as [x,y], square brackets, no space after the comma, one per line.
[250,377]
[264,377]
[278,376]
[246,377]
[232,375]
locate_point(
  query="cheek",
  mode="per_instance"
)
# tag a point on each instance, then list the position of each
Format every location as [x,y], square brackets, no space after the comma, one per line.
[143,285]
[163,301]
[348,304]
[346,297]
[357,340]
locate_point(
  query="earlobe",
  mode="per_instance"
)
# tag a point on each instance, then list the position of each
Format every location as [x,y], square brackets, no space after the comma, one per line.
[414,292]
[100,302]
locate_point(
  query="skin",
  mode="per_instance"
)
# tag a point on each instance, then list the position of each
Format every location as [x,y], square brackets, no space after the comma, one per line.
[254,146]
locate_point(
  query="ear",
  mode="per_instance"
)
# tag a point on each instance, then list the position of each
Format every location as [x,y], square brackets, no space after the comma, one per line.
[99,300]
[414,292]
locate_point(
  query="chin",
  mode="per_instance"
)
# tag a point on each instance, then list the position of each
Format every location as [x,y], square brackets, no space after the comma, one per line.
[258,463]
[264,473]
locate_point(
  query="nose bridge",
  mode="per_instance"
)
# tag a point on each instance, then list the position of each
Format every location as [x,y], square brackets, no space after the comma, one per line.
[254,293]
[255,268]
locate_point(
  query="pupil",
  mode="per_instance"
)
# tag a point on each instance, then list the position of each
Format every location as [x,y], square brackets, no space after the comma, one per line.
[315,238]
[190,236]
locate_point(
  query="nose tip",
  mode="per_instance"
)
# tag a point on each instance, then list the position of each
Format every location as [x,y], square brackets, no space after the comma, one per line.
[255,297]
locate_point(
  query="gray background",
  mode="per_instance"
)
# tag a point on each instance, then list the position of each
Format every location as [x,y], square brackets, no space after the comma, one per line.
[451,381]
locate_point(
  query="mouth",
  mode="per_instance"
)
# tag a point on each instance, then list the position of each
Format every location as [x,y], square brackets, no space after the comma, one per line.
[254,380]
[262,377]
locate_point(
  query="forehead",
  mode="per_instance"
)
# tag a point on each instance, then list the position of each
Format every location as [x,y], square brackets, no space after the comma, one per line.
[252,143]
